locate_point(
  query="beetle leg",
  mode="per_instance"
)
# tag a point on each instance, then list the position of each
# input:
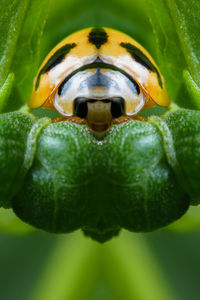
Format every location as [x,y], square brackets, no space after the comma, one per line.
[123,119]
[138,118]
[74,119]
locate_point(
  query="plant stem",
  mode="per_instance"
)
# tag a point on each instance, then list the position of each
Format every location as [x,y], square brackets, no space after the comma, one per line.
[72,270]
[25,109]
[173,106]
[132,270]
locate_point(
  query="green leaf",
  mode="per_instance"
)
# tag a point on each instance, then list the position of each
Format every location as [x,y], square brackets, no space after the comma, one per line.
[21,26]
[10,25]
[185,16]
[14,130]
[189,92]
[185,128]
[5,91]
[59,177]
[176,28]
[126,180]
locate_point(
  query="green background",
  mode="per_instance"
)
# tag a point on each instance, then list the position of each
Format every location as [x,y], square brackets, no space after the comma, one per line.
[24,259]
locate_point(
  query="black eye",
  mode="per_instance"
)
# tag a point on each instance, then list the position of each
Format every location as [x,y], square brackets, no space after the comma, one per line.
[117,107]
[80,107]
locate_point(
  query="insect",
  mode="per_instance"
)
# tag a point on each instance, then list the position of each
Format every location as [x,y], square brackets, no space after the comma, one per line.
[98,76]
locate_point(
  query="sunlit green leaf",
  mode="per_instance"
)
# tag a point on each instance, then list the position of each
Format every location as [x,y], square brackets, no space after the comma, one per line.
[21,26]
[176,28]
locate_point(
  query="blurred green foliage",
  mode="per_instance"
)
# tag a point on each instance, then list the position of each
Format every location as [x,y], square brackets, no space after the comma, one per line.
[10,224]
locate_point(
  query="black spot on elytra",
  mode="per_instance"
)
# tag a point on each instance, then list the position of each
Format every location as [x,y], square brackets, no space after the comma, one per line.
[141,58]
[98,37]
[55,59]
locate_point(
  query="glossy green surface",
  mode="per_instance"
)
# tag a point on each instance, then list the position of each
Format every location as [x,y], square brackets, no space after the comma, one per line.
[133,178]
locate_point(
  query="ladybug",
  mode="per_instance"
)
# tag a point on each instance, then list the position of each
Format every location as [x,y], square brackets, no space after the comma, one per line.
[98,76]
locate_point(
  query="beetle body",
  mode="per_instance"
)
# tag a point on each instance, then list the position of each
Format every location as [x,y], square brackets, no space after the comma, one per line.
[98,75]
